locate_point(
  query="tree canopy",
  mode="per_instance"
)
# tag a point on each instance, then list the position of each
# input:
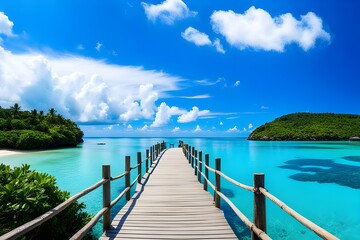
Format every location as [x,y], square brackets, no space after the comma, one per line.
[310,126]
[34,130]
[26,194]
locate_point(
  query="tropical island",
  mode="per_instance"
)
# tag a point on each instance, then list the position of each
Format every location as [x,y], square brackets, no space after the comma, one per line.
[28,130]
[310,127]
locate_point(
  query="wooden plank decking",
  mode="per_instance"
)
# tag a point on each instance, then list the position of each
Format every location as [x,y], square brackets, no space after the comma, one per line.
[170,204]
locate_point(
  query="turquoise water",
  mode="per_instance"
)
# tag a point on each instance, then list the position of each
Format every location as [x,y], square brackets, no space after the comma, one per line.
[320,180]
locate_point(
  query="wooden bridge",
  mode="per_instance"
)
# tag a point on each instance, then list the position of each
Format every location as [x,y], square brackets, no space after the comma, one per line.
[170,204]
[170,201]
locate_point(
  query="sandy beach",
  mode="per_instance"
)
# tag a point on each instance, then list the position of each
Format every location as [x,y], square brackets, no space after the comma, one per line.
[9,152]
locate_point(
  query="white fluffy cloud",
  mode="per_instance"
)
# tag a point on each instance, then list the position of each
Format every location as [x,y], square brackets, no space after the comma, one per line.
[250,126]
[164,114]
[145,109]
[5,25]
[202,96]
[234,129]
[219,47]
[221,123]
[192,115]
[257,29]
[110,127]
[237,83]
[144,128]
[197,129]
[195,36]
[81,88]
[168,11]
[98,46]
[201,39]
[176,129]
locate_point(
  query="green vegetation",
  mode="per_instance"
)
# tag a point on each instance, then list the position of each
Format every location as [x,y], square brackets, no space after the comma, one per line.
[26,194]
[34,130]
[309,126]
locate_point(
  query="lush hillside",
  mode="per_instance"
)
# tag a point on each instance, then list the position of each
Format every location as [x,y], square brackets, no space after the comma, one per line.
[309,126]
[36,130]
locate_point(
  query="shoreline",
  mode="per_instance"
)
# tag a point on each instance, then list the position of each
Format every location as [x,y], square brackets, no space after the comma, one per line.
[4,152]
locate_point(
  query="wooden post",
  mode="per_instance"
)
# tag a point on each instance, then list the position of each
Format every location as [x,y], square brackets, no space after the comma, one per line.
[206,172]
[139,167]
[195,162]
[217,182]
[192,156]
[259,204]
[127,176]
[185,147]
[151,155]
[147,160]
[189,154]
[200,166]
[154,153]
[157,150]
[106,196]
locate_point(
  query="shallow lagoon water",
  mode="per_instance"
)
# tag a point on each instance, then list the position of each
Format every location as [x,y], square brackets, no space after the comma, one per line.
[320,180]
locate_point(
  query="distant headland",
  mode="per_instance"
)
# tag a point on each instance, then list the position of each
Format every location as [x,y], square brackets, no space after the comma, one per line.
[310,127]
[29,130]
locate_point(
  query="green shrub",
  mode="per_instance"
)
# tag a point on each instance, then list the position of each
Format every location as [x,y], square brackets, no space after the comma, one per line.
[33,140]
[26,194]
[17,124]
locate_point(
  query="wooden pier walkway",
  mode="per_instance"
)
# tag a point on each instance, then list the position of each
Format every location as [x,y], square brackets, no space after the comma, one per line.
[170,204]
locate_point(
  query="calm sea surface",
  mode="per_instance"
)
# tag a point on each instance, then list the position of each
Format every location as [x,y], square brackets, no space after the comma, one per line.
[320,180]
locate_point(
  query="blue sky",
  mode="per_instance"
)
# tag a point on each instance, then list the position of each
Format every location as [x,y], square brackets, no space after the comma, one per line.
[179,68]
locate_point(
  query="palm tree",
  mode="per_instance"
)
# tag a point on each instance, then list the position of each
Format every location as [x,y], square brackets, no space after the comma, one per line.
[61,119]
[52,115]
[15,109]
[33,115]
[41,113]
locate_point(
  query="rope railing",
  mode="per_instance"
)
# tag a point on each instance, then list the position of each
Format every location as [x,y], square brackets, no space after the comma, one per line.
[84,230]
[243,186]
[260,233]
[304,221]
[118,177]
[151,155]
[137,165]
[258,227]
[209,168]
[208,181]
[119,196]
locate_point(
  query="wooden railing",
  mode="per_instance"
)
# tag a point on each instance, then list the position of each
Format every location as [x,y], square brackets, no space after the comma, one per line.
[258,227]
[151,154]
